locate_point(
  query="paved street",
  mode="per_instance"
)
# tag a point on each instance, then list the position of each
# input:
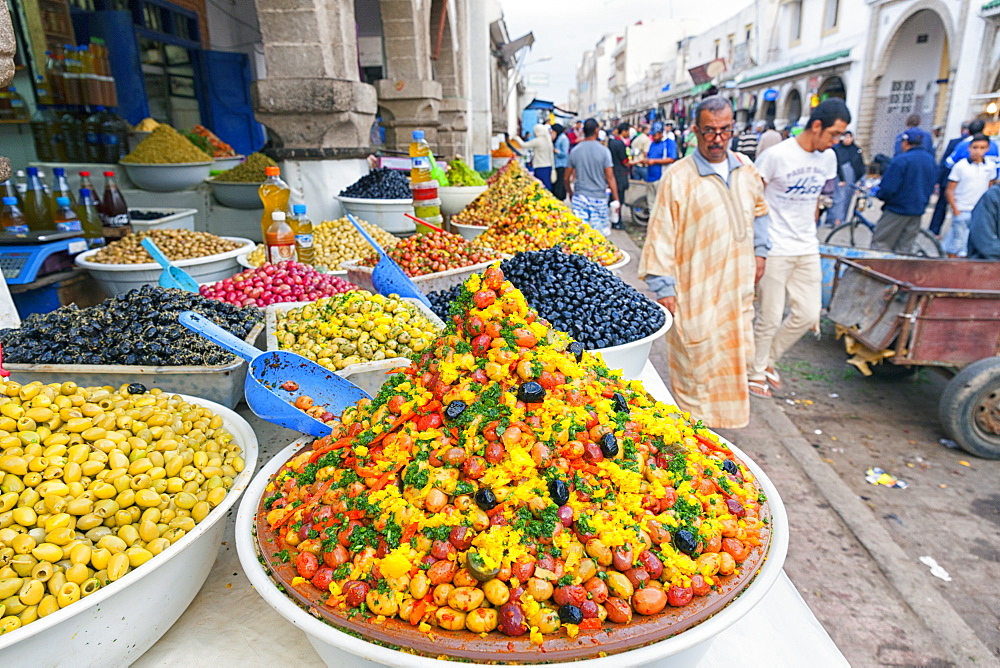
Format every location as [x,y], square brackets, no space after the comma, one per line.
[855,548]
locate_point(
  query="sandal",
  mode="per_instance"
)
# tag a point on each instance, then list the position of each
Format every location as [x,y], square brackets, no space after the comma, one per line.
[771,374]
[759,388]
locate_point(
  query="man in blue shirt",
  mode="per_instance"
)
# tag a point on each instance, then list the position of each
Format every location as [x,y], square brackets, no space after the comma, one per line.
[913,130]
[906,188]
[662,151]
[961,150]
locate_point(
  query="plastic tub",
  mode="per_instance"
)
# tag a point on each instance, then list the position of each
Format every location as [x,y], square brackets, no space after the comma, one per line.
[441,280]
[456,198]
[236,195]
[172,219]
[118,623]
[631,357]
[340,650]
[116,279]
[427,208]
[167,178]
[369,376]
[426,190]
[222,384]
[469,232]
[389,214]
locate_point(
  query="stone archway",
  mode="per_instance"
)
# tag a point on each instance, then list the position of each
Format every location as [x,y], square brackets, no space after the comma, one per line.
[793,106]
[832,87]
[914,60]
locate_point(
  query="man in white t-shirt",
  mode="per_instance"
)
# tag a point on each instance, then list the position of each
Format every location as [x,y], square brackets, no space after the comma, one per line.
[968,180]
[795,172]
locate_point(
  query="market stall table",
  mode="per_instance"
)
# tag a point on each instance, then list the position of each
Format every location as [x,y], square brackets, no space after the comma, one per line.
[229,624]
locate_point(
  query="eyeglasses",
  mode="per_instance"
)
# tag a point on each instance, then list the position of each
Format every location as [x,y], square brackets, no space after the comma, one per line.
[710,133]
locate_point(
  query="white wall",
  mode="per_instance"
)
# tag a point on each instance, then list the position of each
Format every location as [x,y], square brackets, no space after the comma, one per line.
[232,26]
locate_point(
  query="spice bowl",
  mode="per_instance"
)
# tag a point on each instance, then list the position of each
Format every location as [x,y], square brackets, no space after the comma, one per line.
[236,195]
[228,162]
[167,178]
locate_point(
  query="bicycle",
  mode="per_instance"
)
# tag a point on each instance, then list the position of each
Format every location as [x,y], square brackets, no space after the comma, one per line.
[859,230]
[638,206]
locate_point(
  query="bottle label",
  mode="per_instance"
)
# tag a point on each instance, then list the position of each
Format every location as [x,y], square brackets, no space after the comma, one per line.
[69,226]
[16,229]
[420,162]
[281,253]
[304,240]
[93,138]
[120,220]
[110,139]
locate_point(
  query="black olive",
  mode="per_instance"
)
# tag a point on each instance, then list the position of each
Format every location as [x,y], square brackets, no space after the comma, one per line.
[685,541]
[621,404]
[454,409]
[486,499]
[531,392]
[729,466]
[559,491]
[577,349]
[609,445]
[570,614]
[137,388]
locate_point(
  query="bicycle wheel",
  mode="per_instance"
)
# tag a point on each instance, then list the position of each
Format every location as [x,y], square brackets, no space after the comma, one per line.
[927,245]
[854,233]
[640,213]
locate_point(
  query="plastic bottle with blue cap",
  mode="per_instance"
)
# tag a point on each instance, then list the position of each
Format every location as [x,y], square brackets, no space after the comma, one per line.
[66,219]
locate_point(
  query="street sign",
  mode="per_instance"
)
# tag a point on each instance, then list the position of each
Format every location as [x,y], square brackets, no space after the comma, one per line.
[537,79]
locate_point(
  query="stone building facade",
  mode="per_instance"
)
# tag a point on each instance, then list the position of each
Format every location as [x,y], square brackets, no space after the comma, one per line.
[7,46]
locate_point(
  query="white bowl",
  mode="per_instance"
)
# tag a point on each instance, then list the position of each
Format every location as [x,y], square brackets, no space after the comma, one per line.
[620,263]
[469,232]
[236,195]
[228,163]
[456,198]
[118,279]
[389,214]
[631,357]
[172,219]
[118,623]
[341,650]
[167,178]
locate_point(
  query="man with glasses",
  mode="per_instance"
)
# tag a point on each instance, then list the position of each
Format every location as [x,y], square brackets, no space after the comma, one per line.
[795,172]
[704,251]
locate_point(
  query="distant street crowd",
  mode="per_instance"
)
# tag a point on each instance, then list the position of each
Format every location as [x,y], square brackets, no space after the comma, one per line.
[732,249]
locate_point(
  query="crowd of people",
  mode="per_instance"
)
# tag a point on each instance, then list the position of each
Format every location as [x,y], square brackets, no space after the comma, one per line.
[732,249]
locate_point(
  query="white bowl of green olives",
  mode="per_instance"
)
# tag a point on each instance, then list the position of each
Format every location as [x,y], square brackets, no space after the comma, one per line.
[116,624]
[167,178]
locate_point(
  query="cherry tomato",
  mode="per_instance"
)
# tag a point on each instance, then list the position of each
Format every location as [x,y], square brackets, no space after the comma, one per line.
[306,565]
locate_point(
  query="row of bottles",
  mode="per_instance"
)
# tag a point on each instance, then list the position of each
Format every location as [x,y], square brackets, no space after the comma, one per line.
[426,203]
[12,106]
[32,206]
[77,76]
[284,238]
[62,134]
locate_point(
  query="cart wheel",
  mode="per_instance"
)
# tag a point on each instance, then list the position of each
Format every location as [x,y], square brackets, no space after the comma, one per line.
[970,408]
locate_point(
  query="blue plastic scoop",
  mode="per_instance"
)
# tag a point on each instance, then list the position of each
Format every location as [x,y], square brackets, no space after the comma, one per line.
[172,277]
[387,277]
[270,370]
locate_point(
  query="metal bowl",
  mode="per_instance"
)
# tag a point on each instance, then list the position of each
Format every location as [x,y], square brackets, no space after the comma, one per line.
[167,178]
[236,195]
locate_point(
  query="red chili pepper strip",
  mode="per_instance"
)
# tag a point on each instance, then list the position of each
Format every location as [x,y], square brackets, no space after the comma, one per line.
[711,445]
[410,532]
[590,623]
[383,481]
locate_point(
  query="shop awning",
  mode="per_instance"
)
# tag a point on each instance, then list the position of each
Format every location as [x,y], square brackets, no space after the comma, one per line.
[545,105]
[812,62]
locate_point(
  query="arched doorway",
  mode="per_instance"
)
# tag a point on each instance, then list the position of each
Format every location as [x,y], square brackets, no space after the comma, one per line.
[793,107]
[770,111]
[832,87]
[915,60]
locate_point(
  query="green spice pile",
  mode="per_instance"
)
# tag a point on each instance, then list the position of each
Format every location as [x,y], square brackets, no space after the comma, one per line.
[165,146]
[249,171]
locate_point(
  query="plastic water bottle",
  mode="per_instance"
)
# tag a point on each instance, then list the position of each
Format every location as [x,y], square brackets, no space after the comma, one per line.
[303,229]
[66,220]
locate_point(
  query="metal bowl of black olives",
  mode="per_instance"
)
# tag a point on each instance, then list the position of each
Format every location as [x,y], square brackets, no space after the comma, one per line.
[134,338]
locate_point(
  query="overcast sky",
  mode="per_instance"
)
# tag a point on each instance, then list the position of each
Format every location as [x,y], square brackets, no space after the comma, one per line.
[564,29]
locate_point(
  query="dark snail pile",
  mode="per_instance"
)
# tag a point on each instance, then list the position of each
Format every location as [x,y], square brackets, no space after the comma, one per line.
[137,328]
